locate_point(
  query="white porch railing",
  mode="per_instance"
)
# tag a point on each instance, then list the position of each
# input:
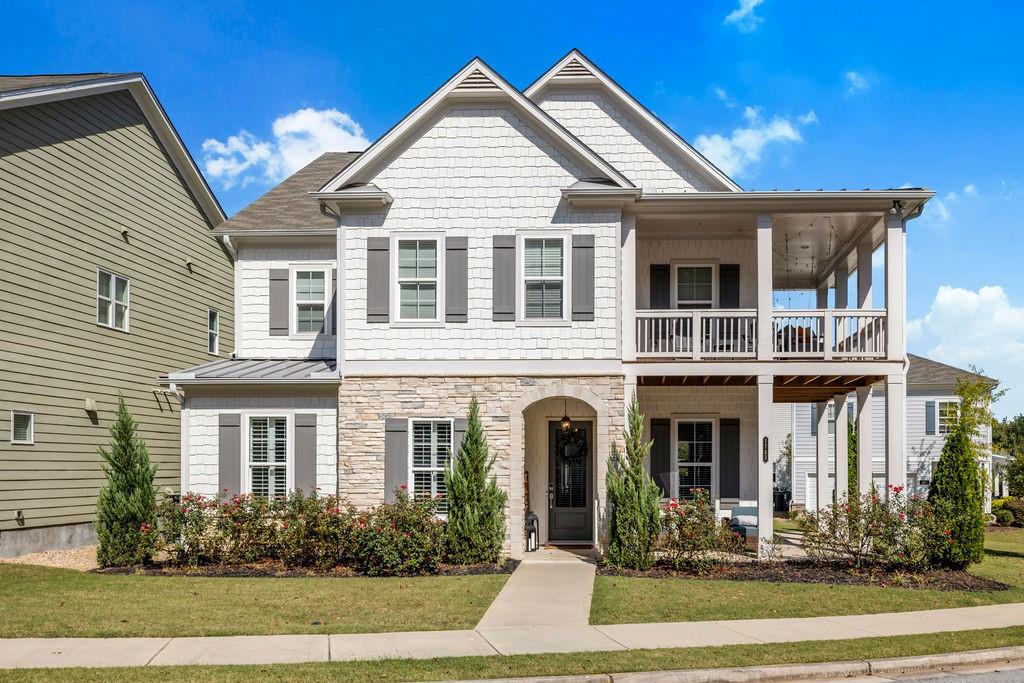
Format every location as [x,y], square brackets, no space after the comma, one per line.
[697,334]
[829,334]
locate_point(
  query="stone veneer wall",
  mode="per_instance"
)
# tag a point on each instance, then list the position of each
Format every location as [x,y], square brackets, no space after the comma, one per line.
[365,402]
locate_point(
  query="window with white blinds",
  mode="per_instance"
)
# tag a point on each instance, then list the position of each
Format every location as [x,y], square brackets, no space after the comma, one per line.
[22,427]
[417,279]
[268,456]
[695,454]
[431,448]
[311,301]
[544,278]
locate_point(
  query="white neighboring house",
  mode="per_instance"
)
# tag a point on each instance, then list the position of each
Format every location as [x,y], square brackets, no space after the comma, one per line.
[551,251]
[930,404]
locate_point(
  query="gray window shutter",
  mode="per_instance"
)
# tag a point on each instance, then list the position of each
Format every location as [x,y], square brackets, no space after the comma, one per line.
[229,453]
[582,277]
[661,285]
[664,468]
[305,452]
[458,432]
[814,419]
[334,301]
[456,279]
[729,285]
[378,279]
[279,302]
[729,458]
[396,456]
[929,418]
[504,278]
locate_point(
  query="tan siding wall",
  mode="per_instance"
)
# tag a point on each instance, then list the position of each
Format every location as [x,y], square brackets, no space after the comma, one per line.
[73,175]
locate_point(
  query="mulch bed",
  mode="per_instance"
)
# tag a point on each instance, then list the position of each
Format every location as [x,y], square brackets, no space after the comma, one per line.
[823,573]
[275,569]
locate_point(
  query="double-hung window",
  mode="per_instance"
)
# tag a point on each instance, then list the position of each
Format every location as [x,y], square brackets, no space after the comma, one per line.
[22,427]
[213,332]
[268,456]
[947,415]
[311,301]
[431,448]
[695,453]
[112,300]
[417,280]
[694,287]
[544,278]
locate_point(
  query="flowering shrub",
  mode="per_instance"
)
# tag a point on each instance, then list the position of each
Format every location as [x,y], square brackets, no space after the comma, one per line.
[895,531]
[692,533]
[187,529]
[400,538]
[248,528]
[315,531]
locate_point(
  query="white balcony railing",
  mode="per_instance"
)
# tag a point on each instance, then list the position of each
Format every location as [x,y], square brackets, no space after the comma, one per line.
[829,334]
[697,334]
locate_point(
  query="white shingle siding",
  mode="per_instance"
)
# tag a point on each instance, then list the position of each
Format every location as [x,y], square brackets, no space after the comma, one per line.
[203,434]
[253,291]
[739,251]
[477,173]
[622,141]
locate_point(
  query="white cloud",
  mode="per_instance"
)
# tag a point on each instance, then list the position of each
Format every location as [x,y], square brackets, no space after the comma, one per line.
[940,211]
[981,328]
[723,95]
[744,18]
[855,81]
[970,190]
[744,147]
[298,138]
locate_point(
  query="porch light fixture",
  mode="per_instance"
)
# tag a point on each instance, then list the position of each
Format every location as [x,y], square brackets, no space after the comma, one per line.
[566,422]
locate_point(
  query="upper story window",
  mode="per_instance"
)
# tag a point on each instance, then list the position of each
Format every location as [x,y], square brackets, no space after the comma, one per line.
[947,415]
[430,449]
[418,279]
[112,293]
[694,286]
[213,332]
[311,300]
[268,456]
[22,427]
[544,278]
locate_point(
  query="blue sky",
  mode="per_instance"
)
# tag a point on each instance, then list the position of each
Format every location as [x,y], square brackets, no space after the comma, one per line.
[781,94]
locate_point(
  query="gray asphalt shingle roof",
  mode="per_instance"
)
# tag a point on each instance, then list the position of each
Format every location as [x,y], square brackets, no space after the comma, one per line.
[257,370]
[27,82]
[289,206]
[927,371]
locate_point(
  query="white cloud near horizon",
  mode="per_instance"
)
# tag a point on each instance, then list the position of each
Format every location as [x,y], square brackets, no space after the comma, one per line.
[981,328]
[297,138]
[737,152]
[744,18]
[855,82]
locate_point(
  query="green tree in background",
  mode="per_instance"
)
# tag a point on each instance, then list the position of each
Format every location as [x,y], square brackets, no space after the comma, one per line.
[851,459]
[1008,438]
[126,508]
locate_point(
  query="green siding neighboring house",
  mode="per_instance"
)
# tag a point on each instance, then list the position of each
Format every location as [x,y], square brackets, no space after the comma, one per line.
[94,179]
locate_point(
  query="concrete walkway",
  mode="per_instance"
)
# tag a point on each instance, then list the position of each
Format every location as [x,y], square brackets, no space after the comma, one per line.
[551,587]
[489,640]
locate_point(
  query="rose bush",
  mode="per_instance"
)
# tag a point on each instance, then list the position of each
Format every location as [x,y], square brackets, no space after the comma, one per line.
[692,534]
[399,538]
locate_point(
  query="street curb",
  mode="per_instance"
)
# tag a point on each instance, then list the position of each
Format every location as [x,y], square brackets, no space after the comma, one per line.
[788,672]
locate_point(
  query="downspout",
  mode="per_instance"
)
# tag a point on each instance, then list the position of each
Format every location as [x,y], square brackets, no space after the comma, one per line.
[226,241]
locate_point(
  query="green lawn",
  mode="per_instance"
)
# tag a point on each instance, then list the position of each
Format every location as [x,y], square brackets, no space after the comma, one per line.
[547,665]
[45,602]
[786,525]
[620,600]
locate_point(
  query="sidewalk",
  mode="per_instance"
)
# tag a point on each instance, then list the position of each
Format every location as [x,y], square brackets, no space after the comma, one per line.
[489,640]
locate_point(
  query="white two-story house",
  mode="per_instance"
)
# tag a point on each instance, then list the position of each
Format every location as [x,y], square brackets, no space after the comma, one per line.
[553,252]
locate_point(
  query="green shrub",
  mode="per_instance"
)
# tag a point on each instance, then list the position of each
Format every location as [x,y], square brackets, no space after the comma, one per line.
[633,499]
[248,528]
[1015,506]
[400,538]
[998,503]
[476,505]
[315,531]
[1004,517]
[126,507]
[188,530]
[693,534]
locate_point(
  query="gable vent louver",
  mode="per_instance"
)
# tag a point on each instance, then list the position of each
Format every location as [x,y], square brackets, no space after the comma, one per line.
[476,81]
[574,69]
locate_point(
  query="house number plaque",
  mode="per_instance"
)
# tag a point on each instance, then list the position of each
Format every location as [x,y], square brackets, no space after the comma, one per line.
[764,449]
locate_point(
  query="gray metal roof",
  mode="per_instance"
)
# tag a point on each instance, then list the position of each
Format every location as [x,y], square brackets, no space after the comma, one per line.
[28,82]
[256,371]
[927,371]
[289,206]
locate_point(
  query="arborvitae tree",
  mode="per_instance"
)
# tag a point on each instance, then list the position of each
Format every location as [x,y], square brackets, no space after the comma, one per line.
[633,499]
[956,491]
[476,506]
[126,508]
[851,458]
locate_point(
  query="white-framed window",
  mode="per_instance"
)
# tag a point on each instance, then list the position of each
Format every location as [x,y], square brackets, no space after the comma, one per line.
[23,428]
[311,299]
[419,277]
[695,453]
[695,285]
[946,413]
[430,449]
[112,294]
[268,455]
[544,277]
[212,332]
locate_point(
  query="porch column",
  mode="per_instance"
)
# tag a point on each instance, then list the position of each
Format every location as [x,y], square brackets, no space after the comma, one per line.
[864,450]
[821,462]
[765,343]
[627,288]
[842,275]
[765,502]
[821,297]
[895,430]
[895,285]
[865,251]
[842,458]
